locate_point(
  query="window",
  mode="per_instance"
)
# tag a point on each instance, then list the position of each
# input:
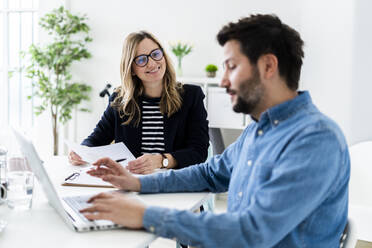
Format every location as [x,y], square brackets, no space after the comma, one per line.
[18,30]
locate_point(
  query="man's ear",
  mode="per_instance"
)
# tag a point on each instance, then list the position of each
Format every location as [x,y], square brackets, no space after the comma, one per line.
[268,65]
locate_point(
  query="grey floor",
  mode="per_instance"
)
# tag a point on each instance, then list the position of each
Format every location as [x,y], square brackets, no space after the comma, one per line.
[220,207]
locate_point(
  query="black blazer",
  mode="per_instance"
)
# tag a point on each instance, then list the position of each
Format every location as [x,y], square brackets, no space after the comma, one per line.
[185,132]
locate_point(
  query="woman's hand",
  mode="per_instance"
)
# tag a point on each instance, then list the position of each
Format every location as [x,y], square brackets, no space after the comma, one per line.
[146,164]
[110,171]
[117,207]
[75,159]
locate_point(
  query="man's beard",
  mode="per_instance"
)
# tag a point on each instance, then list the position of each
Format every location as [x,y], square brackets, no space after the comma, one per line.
[249,94]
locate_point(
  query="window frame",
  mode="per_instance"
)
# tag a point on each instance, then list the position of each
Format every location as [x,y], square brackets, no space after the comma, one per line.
[5,68]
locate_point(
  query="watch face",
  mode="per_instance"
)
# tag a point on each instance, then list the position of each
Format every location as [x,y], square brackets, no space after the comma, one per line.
[165,162]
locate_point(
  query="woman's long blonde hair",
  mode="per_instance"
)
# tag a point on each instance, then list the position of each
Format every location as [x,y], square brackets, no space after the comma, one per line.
[131,86]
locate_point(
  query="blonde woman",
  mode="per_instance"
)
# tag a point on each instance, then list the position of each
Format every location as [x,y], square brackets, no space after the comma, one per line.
[162,122]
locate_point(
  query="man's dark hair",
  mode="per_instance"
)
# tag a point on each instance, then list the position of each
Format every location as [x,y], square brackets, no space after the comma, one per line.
[264,34]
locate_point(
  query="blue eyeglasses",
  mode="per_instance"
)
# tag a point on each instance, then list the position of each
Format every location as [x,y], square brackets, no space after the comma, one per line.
[143,59]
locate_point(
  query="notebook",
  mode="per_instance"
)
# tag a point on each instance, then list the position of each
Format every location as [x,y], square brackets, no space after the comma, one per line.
[82,179]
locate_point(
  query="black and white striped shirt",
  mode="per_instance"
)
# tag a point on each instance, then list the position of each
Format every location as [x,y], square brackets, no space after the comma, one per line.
[152,126]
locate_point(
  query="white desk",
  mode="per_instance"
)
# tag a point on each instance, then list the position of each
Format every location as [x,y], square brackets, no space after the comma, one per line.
[42,227]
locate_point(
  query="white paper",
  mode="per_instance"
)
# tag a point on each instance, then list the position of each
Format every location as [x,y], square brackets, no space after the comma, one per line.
[116,152]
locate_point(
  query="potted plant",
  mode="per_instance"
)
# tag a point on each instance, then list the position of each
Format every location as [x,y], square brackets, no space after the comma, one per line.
[180,50]
[49,66]
[211,70]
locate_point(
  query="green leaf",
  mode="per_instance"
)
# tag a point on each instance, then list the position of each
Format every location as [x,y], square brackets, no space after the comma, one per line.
[50,64]
[180,50]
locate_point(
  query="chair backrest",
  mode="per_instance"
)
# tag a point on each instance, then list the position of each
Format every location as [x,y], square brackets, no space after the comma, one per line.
[348,238]
[360,186]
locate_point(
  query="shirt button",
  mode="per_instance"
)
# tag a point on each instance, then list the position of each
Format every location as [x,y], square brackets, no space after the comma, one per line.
[276,122]
[260,132]
[240,194]
[249,163]
[152,229]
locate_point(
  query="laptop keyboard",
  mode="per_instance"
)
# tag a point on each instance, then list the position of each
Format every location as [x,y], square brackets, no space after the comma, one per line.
[77,203]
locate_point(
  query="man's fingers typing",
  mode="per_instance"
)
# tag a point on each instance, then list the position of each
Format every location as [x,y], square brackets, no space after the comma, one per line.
[100,195]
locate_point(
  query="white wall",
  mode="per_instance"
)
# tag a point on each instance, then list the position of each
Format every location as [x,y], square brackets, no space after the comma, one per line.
[336,38]
[326,28]
[361,83]
[195,22]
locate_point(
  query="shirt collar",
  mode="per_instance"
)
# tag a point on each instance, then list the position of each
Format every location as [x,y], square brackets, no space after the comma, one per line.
[283,111]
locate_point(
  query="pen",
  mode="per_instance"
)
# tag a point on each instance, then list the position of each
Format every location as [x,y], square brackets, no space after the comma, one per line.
[72,176]
[120,160]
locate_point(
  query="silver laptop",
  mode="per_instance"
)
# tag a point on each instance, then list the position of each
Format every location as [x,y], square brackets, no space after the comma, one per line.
[67,207]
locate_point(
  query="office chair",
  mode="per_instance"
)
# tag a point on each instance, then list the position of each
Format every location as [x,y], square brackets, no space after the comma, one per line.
[360,184]
[348,238]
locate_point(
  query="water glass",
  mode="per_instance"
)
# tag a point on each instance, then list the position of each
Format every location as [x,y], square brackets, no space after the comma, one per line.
[19,189]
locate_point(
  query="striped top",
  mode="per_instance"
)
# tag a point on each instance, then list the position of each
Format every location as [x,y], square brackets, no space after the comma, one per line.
[152,140]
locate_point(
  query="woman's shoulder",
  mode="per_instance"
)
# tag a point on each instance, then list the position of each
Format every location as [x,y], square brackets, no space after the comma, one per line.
[191,90]
[191,87]
[116,94]
[113,96]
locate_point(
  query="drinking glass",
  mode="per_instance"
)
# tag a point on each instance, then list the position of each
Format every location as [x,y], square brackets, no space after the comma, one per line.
[19,189]
[20,182]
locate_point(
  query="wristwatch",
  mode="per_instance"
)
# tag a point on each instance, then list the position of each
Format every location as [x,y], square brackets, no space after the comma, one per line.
[165,162]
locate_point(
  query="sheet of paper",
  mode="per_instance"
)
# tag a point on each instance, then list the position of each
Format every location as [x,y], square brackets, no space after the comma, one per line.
[117,152]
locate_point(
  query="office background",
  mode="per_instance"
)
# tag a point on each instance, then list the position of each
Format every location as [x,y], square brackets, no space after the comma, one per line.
[336,69]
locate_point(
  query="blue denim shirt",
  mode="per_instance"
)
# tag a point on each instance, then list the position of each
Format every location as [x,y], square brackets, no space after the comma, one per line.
[287,180]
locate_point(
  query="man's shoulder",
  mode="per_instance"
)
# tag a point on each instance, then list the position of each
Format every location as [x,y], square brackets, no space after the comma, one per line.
[314,121]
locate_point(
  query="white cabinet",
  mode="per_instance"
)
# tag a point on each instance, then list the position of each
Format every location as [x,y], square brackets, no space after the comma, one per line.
[218,104]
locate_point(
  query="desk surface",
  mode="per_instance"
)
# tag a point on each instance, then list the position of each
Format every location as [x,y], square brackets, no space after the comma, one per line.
[42,226]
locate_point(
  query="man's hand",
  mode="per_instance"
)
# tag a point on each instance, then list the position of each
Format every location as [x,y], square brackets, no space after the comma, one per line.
[146,164]
[75,159]
[112,172]
[117,207]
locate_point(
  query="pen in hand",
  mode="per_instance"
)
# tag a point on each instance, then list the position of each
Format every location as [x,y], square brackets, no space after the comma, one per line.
[120,160]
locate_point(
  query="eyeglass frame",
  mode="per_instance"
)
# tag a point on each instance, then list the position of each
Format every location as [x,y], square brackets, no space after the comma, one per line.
[149,55]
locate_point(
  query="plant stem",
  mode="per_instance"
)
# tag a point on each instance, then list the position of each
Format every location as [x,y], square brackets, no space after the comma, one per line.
[55,132]
[179,68]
